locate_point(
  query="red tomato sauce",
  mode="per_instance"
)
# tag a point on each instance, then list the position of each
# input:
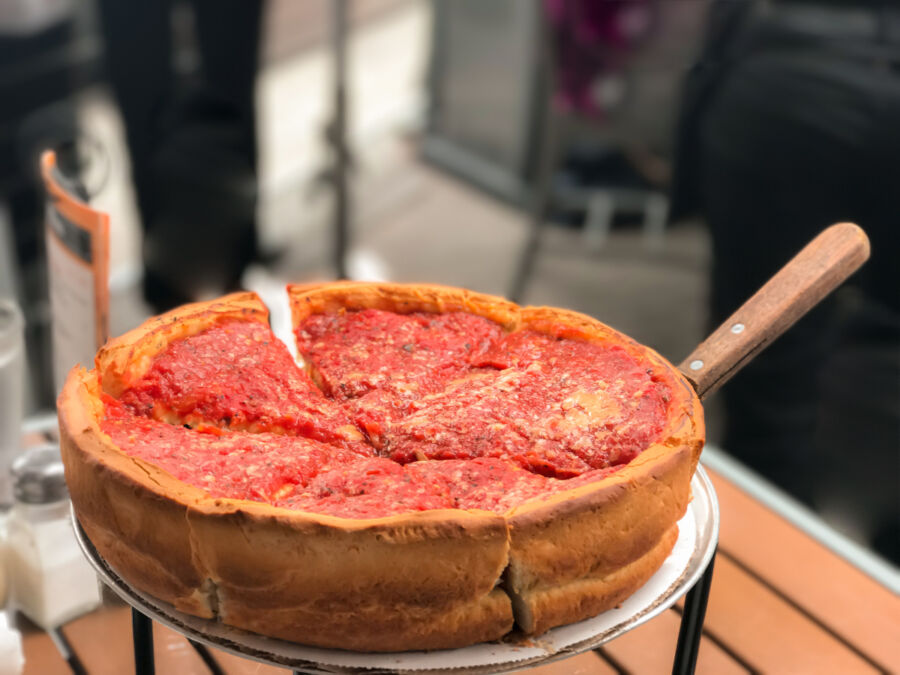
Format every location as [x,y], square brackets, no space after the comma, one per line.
[409,354]
[370,488]
[560,408]
[383,361]
[240,465]
[484,483]
[375,488]
[508,418]
[238,375]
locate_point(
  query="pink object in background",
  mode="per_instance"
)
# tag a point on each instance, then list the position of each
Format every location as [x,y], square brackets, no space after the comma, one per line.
[590,41]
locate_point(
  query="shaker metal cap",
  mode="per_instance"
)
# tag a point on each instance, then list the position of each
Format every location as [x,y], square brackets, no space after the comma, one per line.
[38,476]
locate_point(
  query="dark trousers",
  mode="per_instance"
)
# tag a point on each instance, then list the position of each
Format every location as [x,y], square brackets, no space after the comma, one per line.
[191,137]
[801,132]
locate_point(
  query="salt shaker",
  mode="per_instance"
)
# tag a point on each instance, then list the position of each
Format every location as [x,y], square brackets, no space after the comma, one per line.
[12,374]
[50,580]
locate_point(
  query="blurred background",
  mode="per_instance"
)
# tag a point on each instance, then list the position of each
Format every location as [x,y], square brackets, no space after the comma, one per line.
[647,162]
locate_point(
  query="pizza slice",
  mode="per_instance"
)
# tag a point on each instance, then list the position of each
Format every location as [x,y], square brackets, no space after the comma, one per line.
[262,466]
[219,364]
[380,352]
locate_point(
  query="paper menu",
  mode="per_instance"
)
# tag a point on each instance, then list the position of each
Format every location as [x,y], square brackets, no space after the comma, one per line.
[77,239]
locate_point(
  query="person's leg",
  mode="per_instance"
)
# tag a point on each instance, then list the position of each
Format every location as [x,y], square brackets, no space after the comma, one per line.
[775,161]
[193,144]
[204,235]
[228,34]
[138,60]
[859,421]
[771,405]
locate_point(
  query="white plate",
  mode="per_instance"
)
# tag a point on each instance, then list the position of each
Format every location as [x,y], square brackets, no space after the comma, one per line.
[697,538]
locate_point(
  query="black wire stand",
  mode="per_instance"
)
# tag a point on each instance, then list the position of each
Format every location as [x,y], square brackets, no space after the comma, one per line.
[693,584]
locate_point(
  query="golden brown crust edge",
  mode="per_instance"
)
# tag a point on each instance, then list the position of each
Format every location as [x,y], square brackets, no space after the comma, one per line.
[133,513]
[403,628]
[540,609]
[314,579]
[600,529]
[306,300]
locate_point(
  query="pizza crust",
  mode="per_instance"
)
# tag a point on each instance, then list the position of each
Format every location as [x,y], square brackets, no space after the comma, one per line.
[403,628]
[134,513]
[543,607]
[422,580]
[400,298]
[284,573]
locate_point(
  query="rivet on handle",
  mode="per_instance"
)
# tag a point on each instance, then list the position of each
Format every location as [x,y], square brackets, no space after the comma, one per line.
[696,365]
[737,328]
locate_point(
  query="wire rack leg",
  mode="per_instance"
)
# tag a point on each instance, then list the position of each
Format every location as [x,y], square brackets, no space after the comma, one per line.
[142,635]
[337,135]
[207,657]
[692,623]
[66,651]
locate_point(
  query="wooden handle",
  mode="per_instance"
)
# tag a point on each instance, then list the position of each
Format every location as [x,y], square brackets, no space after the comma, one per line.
[813,273]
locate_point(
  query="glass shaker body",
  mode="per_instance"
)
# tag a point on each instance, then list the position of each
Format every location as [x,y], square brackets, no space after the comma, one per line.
[12,392]
[52,583]
[50,580]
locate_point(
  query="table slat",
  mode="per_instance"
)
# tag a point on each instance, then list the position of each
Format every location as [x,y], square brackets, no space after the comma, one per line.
[839,595]
[650,648]
[769,633]
[103,641]
[41,656]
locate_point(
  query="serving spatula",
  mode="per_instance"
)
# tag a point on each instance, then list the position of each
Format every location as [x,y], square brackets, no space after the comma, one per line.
[820,267]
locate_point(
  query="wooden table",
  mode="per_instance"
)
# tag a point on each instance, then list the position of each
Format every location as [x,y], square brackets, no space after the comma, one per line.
[781,602]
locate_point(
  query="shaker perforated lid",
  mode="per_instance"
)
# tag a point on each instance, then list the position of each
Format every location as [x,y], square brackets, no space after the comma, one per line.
[38,476]
[11,326]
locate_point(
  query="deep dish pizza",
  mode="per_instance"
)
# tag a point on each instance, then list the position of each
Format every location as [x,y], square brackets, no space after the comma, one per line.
[444,467]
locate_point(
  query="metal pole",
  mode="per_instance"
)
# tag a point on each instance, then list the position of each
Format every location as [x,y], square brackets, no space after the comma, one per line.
[547,158]
[337,133]
[539,205]
[692,623]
